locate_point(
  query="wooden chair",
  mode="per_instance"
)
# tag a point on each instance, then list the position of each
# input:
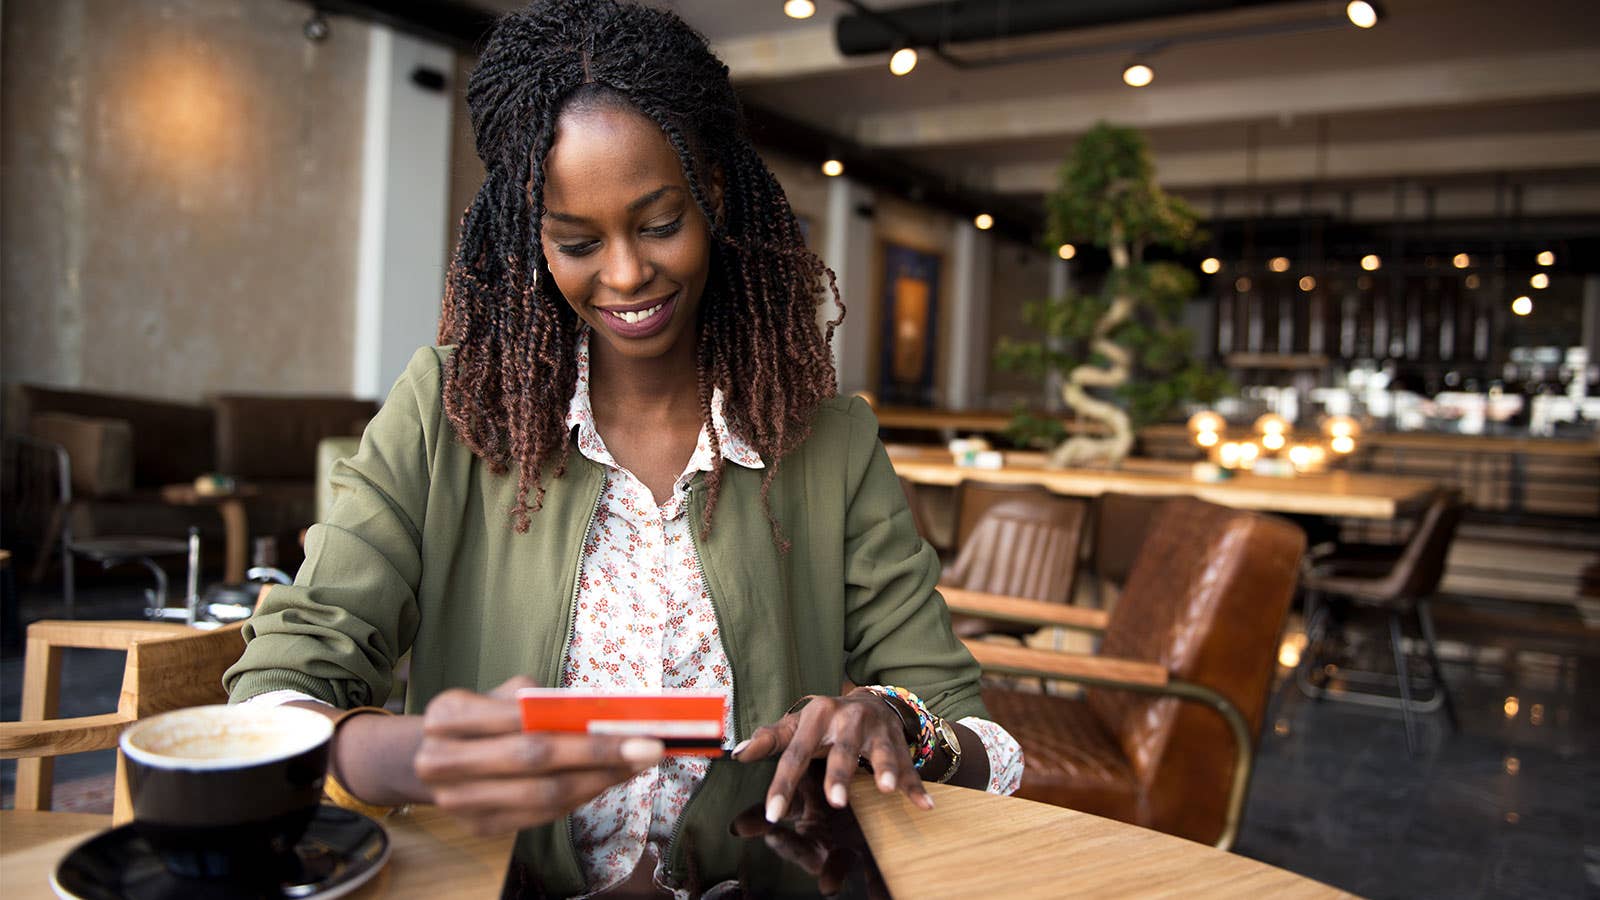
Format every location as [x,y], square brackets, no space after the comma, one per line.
[1025,544]
[1165,735]
[169,667]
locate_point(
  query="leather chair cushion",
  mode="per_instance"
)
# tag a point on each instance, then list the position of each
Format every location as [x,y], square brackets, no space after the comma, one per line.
[100,451]
[1070,759]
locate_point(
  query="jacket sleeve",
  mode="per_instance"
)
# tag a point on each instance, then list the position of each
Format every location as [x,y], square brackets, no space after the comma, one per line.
[897,629]
[337,632]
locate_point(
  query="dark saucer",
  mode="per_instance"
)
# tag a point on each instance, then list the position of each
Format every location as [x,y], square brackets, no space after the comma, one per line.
[341,851]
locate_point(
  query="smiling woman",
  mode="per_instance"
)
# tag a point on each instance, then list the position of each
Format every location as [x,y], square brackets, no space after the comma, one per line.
[632,335]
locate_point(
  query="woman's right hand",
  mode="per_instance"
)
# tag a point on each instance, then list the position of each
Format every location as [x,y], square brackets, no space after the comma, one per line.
[475,761]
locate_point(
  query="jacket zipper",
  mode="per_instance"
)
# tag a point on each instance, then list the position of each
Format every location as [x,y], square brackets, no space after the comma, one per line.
[733,706]
[572,618]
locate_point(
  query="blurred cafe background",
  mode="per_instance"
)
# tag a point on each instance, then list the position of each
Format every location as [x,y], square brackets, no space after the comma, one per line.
[1337,264]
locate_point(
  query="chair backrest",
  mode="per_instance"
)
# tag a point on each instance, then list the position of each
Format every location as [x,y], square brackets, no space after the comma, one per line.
[275,437]
[1025,546]
[1421,565]
[168,667]
[1206,600]
[1121,524]
[186,670]
[973,499]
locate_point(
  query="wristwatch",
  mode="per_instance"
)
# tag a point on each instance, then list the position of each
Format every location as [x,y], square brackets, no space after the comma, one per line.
[945,738]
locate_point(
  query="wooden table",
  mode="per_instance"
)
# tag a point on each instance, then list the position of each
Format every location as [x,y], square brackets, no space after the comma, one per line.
[971,844]
[974,844]
[1349,494]
[235,525]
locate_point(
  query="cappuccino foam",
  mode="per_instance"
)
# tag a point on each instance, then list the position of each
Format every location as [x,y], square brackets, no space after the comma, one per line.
[225,736]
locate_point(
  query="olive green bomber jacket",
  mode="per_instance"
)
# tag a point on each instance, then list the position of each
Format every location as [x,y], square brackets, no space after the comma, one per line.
[418,553]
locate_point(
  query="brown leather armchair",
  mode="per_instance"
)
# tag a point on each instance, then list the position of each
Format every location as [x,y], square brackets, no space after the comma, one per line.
[1164,736]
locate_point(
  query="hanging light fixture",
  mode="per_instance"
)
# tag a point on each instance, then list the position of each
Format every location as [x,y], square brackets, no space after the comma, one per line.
[1522,305]
[1308,283]
[1066,251]
[903,61]
[832,168]
[1546,258]
[1539,281]
[1278,264]
[1137,74]
[1361,13]
[983,221]
[1461,261]
[799,9]
[1211,265]
[1371,262]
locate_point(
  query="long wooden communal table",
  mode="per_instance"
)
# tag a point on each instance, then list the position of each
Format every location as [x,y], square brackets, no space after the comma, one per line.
[971,844]
[1346,494]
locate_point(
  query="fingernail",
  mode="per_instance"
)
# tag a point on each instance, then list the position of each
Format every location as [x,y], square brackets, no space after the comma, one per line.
[642,751]
[927,801]
[776,806]
[838,796]
[739,748]
[886,781]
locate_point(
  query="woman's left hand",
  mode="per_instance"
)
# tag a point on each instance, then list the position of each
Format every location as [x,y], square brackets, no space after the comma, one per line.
[859,725]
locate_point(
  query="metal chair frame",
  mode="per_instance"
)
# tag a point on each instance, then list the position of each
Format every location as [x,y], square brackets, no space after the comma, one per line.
[102,550]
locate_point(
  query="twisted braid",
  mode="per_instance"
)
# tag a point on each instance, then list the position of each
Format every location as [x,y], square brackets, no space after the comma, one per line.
[507,385]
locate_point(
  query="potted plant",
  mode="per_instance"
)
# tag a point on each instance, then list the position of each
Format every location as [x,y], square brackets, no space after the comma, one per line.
[1126,341]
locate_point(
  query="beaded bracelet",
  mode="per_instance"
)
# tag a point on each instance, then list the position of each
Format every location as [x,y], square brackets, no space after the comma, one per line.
[923,750]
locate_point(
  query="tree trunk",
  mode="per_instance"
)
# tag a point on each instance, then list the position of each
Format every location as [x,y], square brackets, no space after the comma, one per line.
[1083,449]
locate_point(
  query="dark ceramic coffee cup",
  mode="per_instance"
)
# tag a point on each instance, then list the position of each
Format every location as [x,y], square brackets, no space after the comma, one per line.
[226,791]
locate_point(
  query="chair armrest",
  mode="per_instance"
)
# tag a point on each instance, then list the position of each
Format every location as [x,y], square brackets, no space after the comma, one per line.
[1147,678]
[1082,667]
[1019,609]
[89,635]
[55,737]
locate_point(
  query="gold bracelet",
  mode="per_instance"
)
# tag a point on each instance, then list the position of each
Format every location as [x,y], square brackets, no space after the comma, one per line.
[333,788]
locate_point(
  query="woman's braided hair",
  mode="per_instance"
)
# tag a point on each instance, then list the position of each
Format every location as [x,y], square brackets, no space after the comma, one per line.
[507,386]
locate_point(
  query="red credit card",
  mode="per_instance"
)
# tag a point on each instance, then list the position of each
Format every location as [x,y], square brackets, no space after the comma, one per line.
[688,722]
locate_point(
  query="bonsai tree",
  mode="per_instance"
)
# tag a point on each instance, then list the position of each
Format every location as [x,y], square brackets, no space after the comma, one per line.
[1126,341]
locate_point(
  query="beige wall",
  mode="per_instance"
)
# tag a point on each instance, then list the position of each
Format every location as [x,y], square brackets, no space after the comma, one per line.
[181,185]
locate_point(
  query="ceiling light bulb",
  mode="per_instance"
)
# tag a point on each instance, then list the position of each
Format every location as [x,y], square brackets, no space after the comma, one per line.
[833,168]
[903,61]
[1211,265]
[1473,281]
[799,9]
[1371,262]
[1540,281]
[1522,305]
[1138,75]
[983,221]
[1546,258]
[1461,261]
[1278,264]
[1242,285]
[1066,251]
[1362,14]
[1307,283]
